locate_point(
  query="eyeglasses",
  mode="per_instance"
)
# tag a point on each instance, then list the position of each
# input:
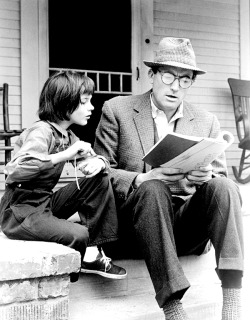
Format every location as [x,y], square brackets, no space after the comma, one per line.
[169,78]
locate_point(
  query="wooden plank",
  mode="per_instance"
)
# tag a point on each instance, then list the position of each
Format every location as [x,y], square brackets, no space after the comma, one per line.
[194,26]
[10,43]
[12,109]
[10,71]
[9,24]
[14,91]
[213,21]
[211,99]
[30,59]
[200,43]
[15,120]
[244,39]
[218,92]
[10,52]
[15,100]
[180,33]
[218,60]
[10,15]
[218,4]
[9,33]
[9,5]
[199,8]
[235,2]
[222,52]
[214,75]
[212,83]
[10,62]
[213,44]
[11,80]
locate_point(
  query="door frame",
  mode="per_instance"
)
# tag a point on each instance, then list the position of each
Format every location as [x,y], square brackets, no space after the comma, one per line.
[34,56]
[35,50]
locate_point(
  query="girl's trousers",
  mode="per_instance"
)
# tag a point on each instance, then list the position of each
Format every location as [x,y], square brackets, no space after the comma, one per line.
[42,215]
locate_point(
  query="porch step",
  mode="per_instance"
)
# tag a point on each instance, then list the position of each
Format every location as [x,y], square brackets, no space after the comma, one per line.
[94,297]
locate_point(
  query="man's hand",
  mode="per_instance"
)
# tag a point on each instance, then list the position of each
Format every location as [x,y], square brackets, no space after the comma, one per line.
[167,175]
[203,174]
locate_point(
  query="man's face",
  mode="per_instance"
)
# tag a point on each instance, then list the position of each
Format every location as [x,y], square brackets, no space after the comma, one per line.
[168,97]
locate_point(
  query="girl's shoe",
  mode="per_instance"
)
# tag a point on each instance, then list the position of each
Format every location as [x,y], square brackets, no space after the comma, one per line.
[104,267]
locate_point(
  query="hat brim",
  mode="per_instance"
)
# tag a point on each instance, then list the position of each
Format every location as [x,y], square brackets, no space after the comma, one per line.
[173,64]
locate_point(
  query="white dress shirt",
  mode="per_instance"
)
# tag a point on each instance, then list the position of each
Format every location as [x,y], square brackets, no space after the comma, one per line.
[162,125]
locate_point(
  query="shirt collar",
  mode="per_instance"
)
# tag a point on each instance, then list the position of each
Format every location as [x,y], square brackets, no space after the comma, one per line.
[64,132]
[155,111]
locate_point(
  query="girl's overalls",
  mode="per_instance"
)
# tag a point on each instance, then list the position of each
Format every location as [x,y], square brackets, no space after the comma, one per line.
[31,211]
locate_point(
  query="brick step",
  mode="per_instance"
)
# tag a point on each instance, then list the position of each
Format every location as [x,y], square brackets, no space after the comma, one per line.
[133,298]
[34,279]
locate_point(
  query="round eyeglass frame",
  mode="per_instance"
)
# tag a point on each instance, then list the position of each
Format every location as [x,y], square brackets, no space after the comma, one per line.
[174,77]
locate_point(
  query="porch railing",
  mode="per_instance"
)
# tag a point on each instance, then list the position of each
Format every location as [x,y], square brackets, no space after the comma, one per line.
[106,81]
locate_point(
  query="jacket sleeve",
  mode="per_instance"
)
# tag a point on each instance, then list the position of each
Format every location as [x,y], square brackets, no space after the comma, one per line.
[31,157]
[107,145]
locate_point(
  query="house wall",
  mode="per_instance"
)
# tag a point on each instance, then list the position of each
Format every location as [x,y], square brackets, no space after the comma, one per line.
[219,30]
[214,29]
[10,63]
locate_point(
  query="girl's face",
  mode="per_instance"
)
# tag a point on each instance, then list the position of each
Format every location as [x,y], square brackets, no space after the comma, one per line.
[83,112]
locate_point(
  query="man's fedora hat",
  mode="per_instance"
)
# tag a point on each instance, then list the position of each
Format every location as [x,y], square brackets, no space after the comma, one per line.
[176,52]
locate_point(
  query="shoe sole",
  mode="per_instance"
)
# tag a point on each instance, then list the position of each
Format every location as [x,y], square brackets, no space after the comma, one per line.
[105,274]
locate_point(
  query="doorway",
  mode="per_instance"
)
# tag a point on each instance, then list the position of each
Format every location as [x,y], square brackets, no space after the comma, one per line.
[93,37]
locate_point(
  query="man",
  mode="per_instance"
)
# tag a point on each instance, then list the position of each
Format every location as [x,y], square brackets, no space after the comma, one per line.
[168,212]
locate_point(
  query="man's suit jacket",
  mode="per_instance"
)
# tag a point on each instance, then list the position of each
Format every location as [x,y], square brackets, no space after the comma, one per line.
[126,132]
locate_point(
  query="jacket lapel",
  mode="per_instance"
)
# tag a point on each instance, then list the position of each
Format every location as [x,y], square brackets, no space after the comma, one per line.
[145,125]
[185,124]
[144,122]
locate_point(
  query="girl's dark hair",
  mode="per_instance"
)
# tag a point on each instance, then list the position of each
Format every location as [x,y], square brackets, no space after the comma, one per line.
[61,95]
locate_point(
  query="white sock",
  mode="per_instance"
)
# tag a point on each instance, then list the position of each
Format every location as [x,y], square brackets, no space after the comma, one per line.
[173,310]
[231,309]
[91,254]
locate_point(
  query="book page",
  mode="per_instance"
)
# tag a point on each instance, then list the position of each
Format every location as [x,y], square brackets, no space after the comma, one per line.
[168,147]
[201,154]
[187,152]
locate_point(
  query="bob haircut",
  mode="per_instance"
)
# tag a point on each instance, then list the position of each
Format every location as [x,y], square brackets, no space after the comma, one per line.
[61,95]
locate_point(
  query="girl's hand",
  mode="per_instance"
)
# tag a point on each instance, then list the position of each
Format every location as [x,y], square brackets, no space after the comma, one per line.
[91,166]
[79,149]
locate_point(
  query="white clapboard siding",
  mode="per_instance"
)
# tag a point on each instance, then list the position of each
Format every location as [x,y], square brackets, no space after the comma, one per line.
[10,64]
[212,25]
[214,29]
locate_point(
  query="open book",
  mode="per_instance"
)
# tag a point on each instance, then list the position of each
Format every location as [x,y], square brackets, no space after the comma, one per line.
[187,152]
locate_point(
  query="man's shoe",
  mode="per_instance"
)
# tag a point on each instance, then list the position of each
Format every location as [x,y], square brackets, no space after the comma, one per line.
[104,267]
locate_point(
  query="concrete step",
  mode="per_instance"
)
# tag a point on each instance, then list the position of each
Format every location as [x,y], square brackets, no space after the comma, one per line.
[140,307]
[94,297]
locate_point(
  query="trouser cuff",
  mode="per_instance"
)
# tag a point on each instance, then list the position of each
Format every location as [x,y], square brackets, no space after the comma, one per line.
[175,286]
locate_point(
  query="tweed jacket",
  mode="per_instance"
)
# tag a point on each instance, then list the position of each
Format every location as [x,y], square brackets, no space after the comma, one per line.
[126,132]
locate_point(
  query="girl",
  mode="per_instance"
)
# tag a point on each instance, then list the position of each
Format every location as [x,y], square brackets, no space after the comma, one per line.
[29,208]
